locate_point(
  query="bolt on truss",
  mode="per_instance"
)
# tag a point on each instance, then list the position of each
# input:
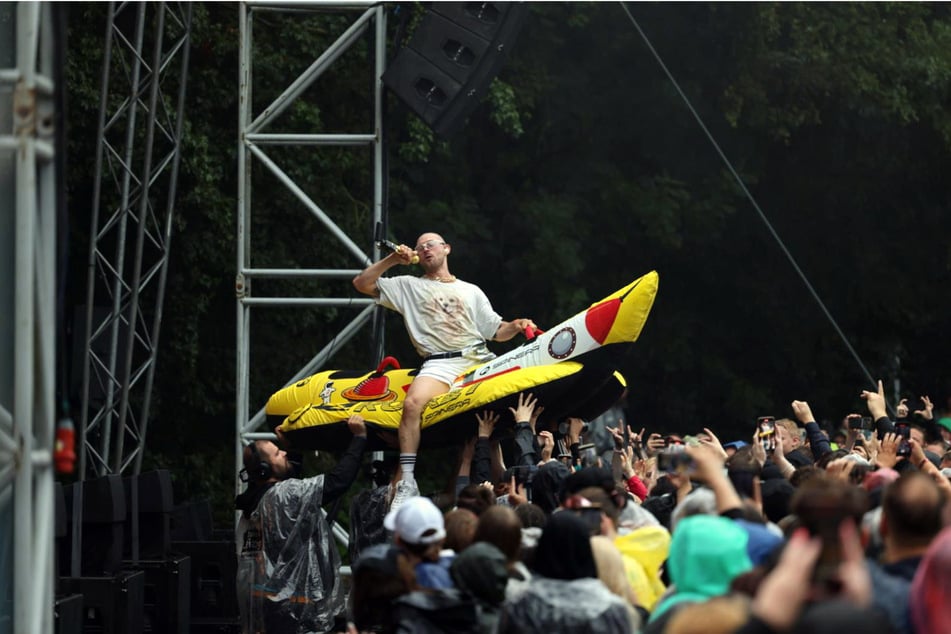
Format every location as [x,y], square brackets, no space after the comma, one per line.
[137,158]
[254,143]
[28,271]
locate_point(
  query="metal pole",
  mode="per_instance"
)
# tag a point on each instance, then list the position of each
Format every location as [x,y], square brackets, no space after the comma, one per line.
[23,359]
[119,261]
[42,590]
[379,210]
[91,264]
[170,207]
[243,239]
[143,217]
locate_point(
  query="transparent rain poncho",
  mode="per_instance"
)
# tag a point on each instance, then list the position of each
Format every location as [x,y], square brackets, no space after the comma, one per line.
[287,565]
[568,607]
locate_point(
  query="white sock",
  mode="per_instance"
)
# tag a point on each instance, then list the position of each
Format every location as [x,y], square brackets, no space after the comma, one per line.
[407,464]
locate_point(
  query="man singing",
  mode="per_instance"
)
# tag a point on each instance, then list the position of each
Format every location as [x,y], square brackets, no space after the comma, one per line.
[448,321]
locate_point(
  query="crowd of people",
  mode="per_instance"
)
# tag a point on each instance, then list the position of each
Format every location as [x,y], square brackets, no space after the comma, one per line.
[792,529]
[796,529]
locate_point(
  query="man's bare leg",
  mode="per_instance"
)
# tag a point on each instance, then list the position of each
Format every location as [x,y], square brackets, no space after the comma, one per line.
[421,391]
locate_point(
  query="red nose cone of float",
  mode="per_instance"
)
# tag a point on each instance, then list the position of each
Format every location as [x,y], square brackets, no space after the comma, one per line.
[600,318]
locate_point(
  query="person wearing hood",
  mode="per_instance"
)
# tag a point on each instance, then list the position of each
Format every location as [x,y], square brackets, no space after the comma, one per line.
[706,553]
[481,572]
[287,577]
[565,594]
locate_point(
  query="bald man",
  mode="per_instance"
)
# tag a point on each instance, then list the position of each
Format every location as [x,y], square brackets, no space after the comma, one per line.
[448,321]
[912,509]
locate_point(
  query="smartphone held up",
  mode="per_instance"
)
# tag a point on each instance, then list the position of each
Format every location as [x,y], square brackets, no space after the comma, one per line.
[766,432]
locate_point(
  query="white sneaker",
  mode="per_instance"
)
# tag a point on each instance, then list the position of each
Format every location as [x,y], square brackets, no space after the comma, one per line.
[404,491]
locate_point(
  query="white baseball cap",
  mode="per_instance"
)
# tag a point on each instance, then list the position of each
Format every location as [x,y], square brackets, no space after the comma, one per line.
[416,521]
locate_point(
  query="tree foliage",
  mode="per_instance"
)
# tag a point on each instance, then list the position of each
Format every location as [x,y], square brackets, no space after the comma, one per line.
[583,169]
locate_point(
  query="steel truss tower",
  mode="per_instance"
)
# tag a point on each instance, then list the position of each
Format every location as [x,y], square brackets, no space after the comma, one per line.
[142,97]
[253,143]
[27,315]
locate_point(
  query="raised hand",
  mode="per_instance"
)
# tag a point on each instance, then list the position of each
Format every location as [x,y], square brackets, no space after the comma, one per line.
[888,451]
[356,425]
[655,444]
[617,436]
[803,412]
[627,468]
[708,463]
[853,571]
[487,421]
[902,410]
[928,412]
[575,425]
[876,401]
[756,447]
[516,493]
[840,469]
[547,442]
[711,441]
[783,592]
[406,255]
[526,407]
[872,447]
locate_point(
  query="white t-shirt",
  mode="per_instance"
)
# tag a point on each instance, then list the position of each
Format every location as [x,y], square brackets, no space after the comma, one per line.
[440,316]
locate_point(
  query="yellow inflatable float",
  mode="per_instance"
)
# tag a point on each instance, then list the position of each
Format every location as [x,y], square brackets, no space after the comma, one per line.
[571,369]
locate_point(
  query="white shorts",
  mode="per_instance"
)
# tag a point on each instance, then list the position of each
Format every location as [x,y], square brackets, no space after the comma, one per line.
[446,370]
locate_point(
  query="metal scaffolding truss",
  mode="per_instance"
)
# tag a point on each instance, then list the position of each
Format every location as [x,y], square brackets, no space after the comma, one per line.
[253,142]
[28,266]
[137,159]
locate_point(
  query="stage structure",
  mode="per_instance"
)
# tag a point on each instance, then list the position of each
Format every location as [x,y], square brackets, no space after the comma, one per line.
[254,140]
[27,315]
[142,99]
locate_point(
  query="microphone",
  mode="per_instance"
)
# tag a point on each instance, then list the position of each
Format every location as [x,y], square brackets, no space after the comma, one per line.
[385,245]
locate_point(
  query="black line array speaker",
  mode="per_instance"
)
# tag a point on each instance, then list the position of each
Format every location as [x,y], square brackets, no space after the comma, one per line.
[455,52]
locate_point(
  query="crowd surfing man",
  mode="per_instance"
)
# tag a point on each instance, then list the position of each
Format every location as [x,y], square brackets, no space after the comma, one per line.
[449,322]
[287,566]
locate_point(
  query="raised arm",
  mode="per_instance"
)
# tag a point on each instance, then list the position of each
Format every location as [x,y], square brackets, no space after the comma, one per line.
[366,281]
[343,475]
[876,407]
[817,440]
[525,454]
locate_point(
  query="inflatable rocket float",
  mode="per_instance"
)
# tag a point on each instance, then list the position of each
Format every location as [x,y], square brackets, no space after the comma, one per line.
[571,369]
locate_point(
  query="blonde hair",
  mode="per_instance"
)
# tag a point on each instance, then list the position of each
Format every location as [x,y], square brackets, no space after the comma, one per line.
[792,427]
[719,615]
[610,566]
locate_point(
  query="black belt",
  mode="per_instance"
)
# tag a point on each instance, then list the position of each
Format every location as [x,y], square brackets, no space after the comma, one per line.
[443,355]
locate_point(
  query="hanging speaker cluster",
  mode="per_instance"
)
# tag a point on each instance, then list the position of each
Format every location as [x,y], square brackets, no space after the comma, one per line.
[455,52]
